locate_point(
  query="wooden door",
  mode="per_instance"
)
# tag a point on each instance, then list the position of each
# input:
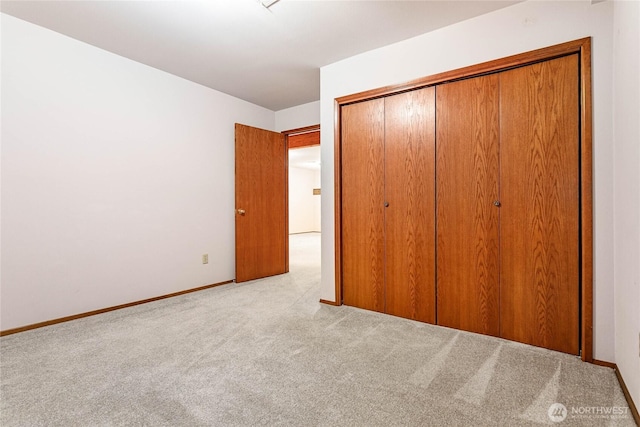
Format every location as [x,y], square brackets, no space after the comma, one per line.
[409,170]
[467,219]
[261,203]
[363,204]
[539,186]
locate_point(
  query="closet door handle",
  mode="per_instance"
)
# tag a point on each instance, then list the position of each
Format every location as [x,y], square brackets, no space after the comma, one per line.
[386,204]
[496,203]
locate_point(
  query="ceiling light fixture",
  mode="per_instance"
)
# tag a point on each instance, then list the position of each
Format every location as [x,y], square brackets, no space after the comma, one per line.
[268,3]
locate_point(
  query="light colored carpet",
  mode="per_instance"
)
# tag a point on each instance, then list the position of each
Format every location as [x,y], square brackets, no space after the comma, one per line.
[267,353]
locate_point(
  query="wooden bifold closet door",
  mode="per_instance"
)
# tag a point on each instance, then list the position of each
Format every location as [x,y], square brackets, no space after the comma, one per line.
[363,204]
[507,184]
[539,216]
[460,203]
[467,188]
[388,247]
[409,198]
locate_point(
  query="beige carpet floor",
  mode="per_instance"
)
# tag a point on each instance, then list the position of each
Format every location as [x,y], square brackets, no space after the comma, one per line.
[267,353]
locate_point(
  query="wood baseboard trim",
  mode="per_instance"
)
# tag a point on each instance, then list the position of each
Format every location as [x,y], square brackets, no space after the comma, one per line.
[106,310]
[627,395]
[605,364]
[623,386]
[324,301]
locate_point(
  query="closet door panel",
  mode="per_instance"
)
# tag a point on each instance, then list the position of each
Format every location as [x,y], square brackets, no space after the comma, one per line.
[363,204]
[409,216]
[467,162]
[540,204]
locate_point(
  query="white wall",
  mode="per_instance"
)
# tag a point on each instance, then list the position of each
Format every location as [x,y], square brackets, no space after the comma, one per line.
[626,141]
[318,202]
[304,207]
[516,29]
[298,117]
[116,178]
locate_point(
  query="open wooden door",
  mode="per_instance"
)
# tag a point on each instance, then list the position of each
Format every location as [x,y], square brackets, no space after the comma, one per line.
[262,230]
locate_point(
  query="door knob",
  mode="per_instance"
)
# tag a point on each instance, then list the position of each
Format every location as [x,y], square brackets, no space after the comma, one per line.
[386,204]
[241,212]
[496,203]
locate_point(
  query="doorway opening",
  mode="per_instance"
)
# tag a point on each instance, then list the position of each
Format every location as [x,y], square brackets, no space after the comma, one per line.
[304,191]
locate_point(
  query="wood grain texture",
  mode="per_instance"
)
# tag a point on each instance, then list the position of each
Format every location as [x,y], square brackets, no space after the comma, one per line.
[540,204]
[467,220]
[410,192]
[362,205]
[301,140]
[586,201]
[261,188]
[581,47]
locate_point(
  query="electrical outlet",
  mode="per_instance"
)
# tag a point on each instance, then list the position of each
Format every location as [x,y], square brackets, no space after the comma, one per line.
[205,259]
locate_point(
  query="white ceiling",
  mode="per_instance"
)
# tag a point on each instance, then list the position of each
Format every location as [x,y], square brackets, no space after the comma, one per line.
[268,57]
